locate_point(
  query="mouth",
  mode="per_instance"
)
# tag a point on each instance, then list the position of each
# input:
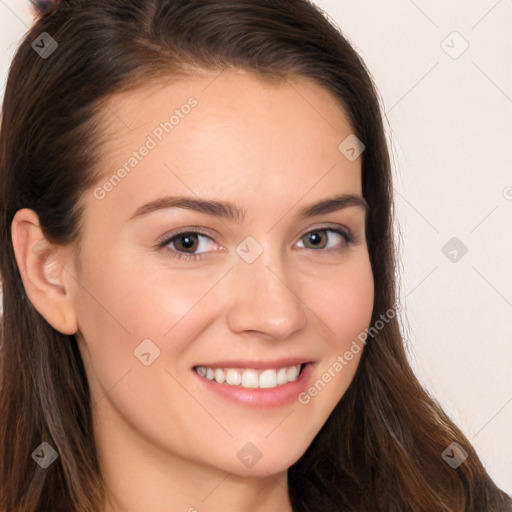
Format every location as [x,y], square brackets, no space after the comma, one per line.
[252,378]
[256,385]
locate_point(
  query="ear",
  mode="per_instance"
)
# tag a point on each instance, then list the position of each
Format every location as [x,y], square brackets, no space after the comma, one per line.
[44,272]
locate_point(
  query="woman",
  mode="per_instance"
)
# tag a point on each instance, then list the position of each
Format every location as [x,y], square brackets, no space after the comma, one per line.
[198,273]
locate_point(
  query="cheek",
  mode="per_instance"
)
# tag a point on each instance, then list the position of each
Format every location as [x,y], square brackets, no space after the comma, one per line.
[124,304]
[128,297]
[346,304]
[130,316]
[347,307]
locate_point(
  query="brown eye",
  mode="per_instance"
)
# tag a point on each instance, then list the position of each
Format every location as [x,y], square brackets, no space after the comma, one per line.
[319,239]
[185,242]
[189,245]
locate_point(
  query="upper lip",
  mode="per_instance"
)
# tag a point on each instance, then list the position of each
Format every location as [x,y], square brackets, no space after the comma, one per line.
[246,363]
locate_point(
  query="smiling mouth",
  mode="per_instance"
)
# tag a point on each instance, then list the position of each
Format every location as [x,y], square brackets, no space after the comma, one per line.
[251,378]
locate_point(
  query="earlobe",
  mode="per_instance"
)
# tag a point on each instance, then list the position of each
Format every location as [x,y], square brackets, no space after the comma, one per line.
[42,266]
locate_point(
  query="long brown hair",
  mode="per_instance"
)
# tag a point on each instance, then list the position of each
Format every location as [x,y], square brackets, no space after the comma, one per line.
[381,448]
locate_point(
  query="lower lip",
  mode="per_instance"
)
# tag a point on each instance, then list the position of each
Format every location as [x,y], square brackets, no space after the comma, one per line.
[262,398]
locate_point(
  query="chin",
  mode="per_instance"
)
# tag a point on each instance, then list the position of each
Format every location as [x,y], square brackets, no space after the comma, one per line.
[272,464]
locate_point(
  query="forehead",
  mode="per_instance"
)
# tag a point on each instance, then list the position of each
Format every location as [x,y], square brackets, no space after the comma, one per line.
[227,133]
[233,90]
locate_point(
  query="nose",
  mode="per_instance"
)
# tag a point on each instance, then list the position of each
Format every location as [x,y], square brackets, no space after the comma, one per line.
[263,299]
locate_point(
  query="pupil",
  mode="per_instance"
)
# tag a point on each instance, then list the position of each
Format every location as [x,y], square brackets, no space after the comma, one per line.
[315,236]
[188,241]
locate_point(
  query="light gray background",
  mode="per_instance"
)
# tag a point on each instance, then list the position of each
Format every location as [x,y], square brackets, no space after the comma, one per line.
[450,131]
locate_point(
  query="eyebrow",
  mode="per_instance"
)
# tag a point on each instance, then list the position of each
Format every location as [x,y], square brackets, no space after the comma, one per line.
[230,211]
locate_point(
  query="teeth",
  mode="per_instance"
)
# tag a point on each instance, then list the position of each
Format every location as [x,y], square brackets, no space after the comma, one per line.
[268,379]
[250,378]
[233,377]
[292,372]
[282,376]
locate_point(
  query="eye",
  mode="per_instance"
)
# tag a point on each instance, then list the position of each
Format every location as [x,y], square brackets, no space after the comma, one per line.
[186,243]
[190,245]
[318,238]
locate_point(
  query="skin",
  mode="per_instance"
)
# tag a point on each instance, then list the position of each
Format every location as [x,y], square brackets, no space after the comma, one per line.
[164,442]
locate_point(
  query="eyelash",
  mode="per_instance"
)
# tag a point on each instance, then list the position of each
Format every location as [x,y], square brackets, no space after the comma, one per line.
[186,256]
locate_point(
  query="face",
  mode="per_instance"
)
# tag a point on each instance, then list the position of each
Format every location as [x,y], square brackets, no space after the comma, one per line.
[176,297]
